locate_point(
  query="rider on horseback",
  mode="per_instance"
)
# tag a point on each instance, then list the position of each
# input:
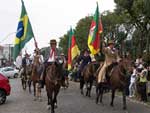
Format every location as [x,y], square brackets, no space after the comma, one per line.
[38,60]
[84,58]
[111,58]
[50,59]
[25,63]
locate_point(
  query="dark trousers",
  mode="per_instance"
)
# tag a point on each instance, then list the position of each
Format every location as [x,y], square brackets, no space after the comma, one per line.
[143,91]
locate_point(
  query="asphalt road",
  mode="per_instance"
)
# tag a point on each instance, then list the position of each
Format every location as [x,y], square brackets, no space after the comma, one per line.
[69,101]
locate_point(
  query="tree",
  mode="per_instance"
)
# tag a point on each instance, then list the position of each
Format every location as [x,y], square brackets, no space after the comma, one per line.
[139,17]
[82,32]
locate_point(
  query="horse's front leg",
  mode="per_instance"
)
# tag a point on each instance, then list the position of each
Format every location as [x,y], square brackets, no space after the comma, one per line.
[29,84]
[87,88]
[39,92]
[52,103]
[112,97]
[97,93]
[34,88]
[91,84]
[55,96]
[81,85]
[124,99]
[48,100]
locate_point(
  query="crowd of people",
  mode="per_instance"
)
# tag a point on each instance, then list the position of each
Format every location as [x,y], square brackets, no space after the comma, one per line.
[139,86]
[138,83]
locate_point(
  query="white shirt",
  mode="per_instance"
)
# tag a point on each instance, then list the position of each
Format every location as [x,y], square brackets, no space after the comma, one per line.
[133,76]
[51,59]
[19,61]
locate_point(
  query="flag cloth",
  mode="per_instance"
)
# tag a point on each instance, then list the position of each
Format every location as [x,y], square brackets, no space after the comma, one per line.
[24,32]
[73,49]
[94,33]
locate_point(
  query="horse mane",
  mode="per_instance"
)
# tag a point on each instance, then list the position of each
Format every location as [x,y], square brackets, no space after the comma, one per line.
[54,72]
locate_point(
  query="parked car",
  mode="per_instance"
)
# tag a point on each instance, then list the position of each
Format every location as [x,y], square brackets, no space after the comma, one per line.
[4,88]
[9,72]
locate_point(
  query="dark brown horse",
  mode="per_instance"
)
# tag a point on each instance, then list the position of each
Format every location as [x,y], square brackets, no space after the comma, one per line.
[36,73]
[117,79]
[53,83]
[29,74]
[88,77]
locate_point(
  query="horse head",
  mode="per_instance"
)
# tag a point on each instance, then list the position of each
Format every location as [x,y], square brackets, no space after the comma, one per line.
[125,65]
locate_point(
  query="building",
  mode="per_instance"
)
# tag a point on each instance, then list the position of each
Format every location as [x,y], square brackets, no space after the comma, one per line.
[6,54]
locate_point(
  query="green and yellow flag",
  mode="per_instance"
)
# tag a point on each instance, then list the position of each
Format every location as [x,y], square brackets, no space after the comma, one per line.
[24,32]
[94,33]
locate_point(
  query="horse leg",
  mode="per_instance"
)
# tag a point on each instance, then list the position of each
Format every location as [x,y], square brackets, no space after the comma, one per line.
[39,92]
[97,92]
[87,88]
[81,86]
[52,103]
[101,93]
[124,98]
[91,84]
[112,97]
[29,84]
[55,98]
[34,89]
[48,100]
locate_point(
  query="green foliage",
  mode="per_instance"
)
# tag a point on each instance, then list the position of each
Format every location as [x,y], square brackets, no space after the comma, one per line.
[63,44]
[134,18]
[82,32]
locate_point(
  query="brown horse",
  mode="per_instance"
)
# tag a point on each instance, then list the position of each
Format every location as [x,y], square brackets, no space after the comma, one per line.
[29,73]
[117,80]
[53,81]
[36,73]
[88,77]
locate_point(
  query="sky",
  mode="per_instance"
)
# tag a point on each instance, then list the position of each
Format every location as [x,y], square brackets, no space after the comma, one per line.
[49,18]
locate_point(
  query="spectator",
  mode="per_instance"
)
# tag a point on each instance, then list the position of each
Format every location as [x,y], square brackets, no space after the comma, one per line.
[143,82]
[132,85]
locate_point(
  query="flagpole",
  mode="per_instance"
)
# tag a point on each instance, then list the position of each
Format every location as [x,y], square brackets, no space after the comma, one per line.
[35,43]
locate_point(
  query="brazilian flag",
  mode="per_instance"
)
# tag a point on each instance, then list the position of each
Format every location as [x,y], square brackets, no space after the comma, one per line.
[24,32]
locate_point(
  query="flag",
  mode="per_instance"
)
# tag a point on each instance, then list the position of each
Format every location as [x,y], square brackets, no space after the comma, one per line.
[94,33]
[24,32]
[73,49]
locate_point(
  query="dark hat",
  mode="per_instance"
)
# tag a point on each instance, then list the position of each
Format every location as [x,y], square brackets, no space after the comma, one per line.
[37,50]
[53,41]
[86,50]
[27,55]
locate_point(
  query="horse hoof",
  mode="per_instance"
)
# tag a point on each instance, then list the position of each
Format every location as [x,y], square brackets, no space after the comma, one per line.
[124,108]
[82,93]
[56,106]
[111,105]
[40,100]
[35,99]
[48,107]
[96,102]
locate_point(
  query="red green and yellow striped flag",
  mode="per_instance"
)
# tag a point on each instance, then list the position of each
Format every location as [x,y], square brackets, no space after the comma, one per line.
[73,49]
[94,33]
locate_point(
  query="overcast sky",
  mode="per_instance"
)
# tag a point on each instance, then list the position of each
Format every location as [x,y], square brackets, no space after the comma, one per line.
[49,18]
